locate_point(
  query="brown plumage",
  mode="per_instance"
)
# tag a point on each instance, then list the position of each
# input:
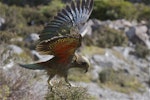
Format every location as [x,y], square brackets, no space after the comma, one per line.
[61,38]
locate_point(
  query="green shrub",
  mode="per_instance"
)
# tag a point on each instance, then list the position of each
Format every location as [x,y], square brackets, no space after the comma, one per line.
[62,92]
[114,9]
[52,8]
[119,81]
[34,16]
[143,12]
[17,19]
[25,20]
[147,2]
[107,37]
[142,51]
[25,2]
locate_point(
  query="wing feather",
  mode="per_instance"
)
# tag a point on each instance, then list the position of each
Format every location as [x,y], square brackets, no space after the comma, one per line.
[61,46]
[72,16]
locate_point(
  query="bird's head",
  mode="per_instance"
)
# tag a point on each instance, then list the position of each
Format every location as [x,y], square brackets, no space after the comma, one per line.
[80,62]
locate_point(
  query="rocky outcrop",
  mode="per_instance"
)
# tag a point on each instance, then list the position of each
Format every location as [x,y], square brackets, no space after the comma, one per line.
[119,58]
[15,49]
[136,32]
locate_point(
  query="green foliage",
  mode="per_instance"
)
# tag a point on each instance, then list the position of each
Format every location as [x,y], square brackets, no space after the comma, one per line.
[6,36]
[25,2]
[33,16]
[107,37]
[119,81]
[114,9]
[52,8]
[25,20]
[92,50]
[62,92]
[105,9]
[146,2]
[143,12]
[142,51]
[17,19]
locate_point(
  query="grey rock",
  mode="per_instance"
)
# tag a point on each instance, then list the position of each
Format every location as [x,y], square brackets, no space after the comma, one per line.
[120,24]
[138,34]
[15,49]
[125,51]
[2,21]
[132,65]
[103,94]
[32,37]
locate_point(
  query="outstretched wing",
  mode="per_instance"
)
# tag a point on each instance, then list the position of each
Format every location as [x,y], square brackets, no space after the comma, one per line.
[73,17]
[61,36]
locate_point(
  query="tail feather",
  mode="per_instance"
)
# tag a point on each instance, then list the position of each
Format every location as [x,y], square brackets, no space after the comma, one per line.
[35,66]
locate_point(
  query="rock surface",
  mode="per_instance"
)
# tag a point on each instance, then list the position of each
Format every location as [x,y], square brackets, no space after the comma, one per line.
[116,58]
[15,49]
[2,21]
[32,38]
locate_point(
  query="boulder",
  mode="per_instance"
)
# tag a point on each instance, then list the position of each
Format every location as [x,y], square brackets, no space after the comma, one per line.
[32,37]
[139,34]
[15,49]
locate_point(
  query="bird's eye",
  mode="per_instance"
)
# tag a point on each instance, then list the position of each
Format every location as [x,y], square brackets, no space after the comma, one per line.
[84,63]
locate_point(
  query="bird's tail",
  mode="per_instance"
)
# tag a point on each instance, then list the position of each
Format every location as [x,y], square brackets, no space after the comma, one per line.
[35,66]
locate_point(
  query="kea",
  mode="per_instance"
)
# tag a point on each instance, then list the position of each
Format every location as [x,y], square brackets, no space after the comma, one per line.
[61,38]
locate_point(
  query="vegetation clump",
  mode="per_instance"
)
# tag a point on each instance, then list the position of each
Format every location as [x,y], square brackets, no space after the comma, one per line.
[107,37]
[62,92]
[141,51]
[119,81]
[120,9]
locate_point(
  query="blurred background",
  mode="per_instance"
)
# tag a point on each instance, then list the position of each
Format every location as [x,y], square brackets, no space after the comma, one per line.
[117,43]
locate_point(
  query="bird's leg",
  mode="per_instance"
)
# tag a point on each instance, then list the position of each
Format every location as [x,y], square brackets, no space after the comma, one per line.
[66,80]
[49,81]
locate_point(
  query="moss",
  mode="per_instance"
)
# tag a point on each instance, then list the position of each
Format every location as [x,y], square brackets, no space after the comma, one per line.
[4,92]
[119,81]
[91,50]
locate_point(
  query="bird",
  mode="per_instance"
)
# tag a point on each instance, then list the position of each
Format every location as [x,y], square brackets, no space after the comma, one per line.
[62,37]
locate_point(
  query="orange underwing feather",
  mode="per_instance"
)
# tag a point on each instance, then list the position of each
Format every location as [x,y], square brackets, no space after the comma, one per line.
[62,47]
